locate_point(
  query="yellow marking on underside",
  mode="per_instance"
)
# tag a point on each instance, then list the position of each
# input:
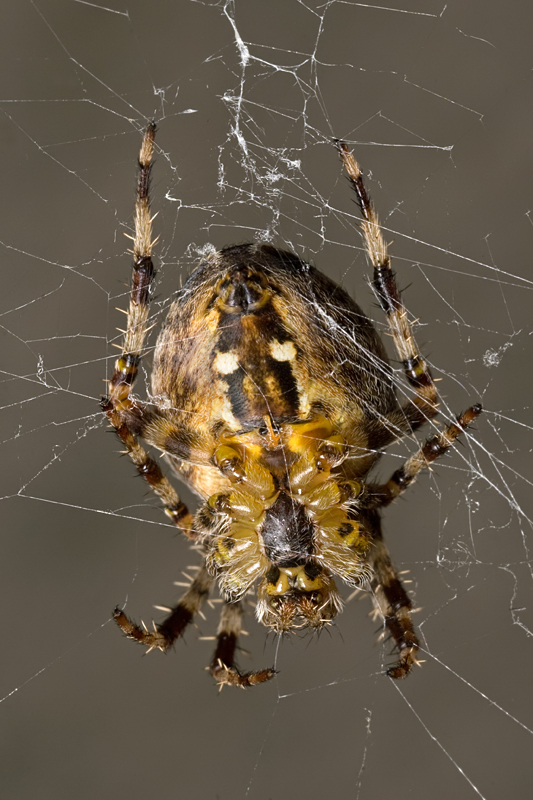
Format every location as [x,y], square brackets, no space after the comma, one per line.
[303,582]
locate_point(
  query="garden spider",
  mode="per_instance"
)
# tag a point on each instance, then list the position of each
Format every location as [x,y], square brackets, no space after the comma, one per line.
[272,398]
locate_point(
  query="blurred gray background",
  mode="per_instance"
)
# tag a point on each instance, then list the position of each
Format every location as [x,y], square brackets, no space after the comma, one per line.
[437,103]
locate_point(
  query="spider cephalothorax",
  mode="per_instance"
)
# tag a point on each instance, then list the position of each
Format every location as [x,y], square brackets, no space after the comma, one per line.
[288,519]
[272,398]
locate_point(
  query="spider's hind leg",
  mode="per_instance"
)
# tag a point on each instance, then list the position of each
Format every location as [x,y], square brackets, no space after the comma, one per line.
[123,412]
[424,404]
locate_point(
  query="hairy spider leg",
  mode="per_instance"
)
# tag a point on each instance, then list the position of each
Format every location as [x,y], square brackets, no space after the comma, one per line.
[436,446]
[165,633]
[424,405]
[119,406]
[390,598]
[392,603]
[130,416]
[222,666]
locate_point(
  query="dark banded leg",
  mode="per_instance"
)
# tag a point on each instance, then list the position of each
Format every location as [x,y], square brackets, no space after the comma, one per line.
[394,606]
[151,472]
[383,494]
[424,405]
[118,406]
[165,633]
[223,667]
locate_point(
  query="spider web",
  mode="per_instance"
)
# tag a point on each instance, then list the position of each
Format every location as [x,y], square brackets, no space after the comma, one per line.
[434,100]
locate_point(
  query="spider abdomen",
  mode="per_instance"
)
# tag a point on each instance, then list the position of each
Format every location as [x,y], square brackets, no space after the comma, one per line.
[263,333]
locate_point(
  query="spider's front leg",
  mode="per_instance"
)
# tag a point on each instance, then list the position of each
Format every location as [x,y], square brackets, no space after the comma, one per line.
[167,632]
[223,667]
[393,604]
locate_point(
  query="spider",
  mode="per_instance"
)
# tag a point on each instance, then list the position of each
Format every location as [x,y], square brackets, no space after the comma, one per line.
[273,398]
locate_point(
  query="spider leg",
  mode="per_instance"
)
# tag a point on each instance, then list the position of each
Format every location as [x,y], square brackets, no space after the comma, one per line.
[425,402]
[222,666]
[393,604]
[165,633]
[383,494]
[123,412]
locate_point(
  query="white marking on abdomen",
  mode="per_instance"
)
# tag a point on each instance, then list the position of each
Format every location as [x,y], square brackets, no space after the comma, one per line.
[226,363]
[283,352]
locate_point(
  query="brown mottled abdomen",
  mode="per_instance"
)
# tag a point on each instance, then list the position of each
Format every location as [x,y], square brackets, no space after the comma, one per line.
[263,333]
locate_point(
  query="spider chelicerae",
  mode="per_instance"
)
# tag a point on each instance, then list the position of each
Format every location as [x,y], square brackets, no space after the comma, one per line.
[272,398]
